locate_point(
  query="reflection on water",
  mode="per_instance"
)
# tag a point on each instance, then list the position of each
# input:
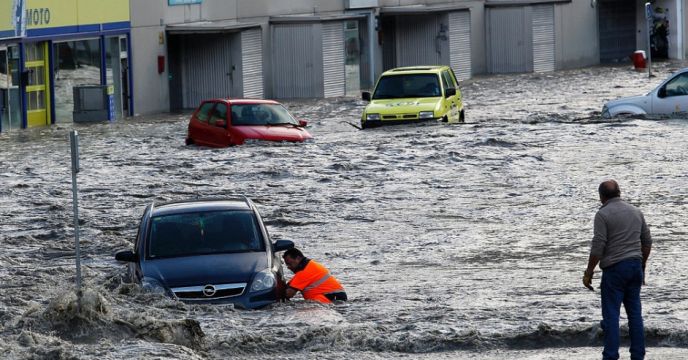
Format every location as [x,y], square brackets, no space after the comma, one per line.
[450,240]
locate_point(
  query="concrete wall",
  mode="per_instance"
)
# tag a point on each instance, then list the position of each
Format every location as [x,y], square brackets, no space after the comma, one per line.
[150,89]
[478,33]
[576,35]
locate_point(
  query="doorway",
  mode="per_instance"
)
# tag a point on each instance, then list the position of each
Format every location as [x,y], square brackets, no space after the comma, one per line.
[10,97]
[37,76]
[117,74]
[352,46]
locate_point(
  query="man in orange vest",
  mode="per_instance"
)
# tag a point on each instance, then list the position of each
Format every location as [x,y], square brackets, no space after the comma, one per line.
[311,278]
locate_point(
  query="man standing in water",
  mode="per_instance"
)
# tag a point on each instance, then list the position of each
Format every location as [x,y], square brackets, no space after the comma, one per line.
[312,279]
[621,245]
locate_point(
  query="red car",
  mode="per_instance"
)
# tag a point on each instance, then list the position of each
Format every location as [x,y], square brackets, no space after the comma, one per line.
[226,122]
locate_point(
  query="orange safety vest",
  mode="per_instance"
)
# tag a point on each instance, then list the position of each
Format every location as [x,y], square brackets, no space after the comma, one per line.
[314,281]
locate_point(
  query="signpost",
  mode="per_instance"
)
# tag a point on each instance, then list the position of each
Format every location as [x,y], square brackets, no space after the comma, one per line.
[649,17]
[74,144]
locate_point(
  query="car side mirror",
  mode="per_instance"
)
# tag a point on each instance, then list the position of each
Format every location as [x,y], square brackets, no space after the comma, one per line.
[220,123]
[449,92]
[303,123]
[126,255]
[365,95]
[282,245]
[662,92]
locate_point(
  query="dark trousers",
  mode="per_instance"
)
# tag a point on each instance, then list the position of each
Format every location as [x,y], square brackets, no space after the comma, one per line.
[621,283]
[341,296]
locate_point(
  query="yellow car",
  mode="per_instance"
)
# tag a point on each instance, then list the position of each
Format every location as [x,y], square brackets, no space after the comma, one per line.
[412,94]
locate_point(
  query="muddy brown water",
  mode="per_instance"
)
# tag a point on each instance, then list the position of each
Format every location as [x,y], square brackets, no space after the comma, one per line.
[459,241]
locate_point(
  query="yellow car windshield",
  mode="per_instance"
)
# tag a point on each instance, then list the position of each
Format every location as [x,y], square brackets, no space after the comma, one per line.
[407,86]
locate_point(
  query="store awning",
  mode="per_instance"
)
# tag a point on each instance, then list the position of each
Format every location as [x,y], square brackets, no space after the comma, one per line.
[288,19]
[420,9]
[503,3]
[205,27]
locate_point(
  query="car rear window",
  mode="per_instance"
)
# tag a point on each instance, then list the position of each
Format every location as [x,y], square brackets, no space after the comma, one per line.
[202,233]
[407,86]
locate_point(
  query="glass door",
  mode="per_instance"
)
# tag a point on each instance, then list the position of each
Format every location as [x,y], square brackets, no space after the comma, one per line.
[4,90]
[116,66]
[36,56]
[10,99]
[352,48]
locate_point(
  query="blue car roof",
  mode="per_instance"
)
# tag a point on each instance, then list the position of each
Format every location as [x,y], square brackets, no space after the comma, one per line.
[178,207]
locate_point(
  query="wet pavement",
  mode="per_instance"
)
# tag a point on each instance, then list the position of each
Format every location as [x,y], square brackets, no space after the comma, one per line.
[459,241]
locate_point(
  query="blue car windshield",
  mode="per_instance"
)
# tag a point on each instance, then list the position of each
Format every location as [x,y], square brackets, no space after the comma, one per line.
[203,233]
[407,86]
[261,114]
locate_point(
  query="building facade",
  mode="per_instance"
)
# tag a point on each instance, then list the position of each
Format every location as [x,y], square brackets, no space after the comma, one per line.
[63,61]
[183,51]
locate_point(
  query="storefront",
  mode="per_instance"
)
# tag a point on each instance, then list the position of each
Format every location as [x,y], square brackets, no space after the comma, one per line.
[70,63]
[521,36]
[218,59]
[11,33]
[315,56]
[427,35]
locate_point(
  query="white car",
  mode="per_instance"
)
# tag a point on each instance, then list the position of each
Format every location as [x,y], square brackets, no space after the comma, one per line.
[671,96]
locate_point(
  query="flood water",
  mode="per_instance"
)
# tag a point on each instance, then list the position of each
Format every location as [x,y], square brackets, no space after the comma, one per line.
[452,241]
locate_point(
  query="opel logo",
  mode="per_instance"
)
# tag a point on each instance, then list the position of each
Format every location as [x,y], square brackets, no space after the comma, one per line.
[209,290]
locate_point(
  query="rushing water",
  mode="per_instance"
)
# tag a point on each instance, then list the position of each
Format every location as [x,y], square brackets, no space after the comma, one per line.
[464,241]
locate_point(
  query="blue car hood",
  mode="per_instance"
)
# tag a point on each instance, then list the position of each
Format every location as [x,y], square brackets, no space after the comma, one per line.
[206,269]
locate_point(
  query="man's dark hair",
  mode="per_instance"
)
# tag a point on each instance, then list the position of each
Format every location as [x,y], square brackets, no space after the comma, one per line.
[609,189]
[293,253]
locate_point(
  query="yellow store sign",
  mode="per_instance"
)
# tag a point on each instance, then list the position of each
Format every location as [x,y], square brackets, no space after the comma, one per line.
[59,13]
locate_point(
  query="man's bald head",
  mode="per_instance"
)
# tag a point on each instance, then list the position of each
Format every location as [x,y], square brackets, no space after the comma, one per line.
[609,189]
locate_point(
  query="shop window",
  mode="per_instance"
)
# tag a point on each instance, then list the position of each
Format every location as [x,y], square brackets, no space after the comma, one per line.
[76,63]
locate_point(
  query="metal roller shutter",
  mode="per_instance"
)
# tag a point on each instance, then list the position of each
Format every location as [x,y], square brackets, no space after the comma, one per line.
[333,59]
[252,63]
[460,44]
[297,68]
[419,41]
[543,38]
[617,29]
[206,69]
[510,40]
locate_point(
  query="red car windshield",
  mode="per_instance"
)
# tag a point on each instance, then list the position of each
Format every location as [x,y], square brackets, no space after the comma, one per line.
[261,114]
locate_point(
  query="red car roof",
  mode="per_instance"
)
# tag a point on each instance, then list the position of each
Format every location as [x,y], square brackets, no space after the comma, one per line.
[246,101]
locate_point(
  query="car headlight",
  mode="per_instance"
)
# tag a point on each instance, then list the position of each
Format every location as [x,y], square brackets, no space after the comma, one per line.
[426,115]
[373,117]
[263,280]
[153,285]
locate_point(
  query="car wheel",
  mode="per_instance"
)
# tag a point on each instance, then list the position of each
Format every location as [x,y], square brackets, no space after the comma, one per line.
[363,125]
[462,117]
[445,119]
[189,141]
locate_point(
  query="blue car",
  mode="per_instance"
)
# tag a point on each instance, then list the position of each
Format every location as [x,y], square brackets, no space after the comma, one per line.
[207,251]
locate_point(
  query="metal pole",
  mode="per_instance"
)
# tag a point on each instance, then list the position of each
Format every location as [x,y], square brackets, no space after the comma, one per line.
[74,144]
[649,17]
